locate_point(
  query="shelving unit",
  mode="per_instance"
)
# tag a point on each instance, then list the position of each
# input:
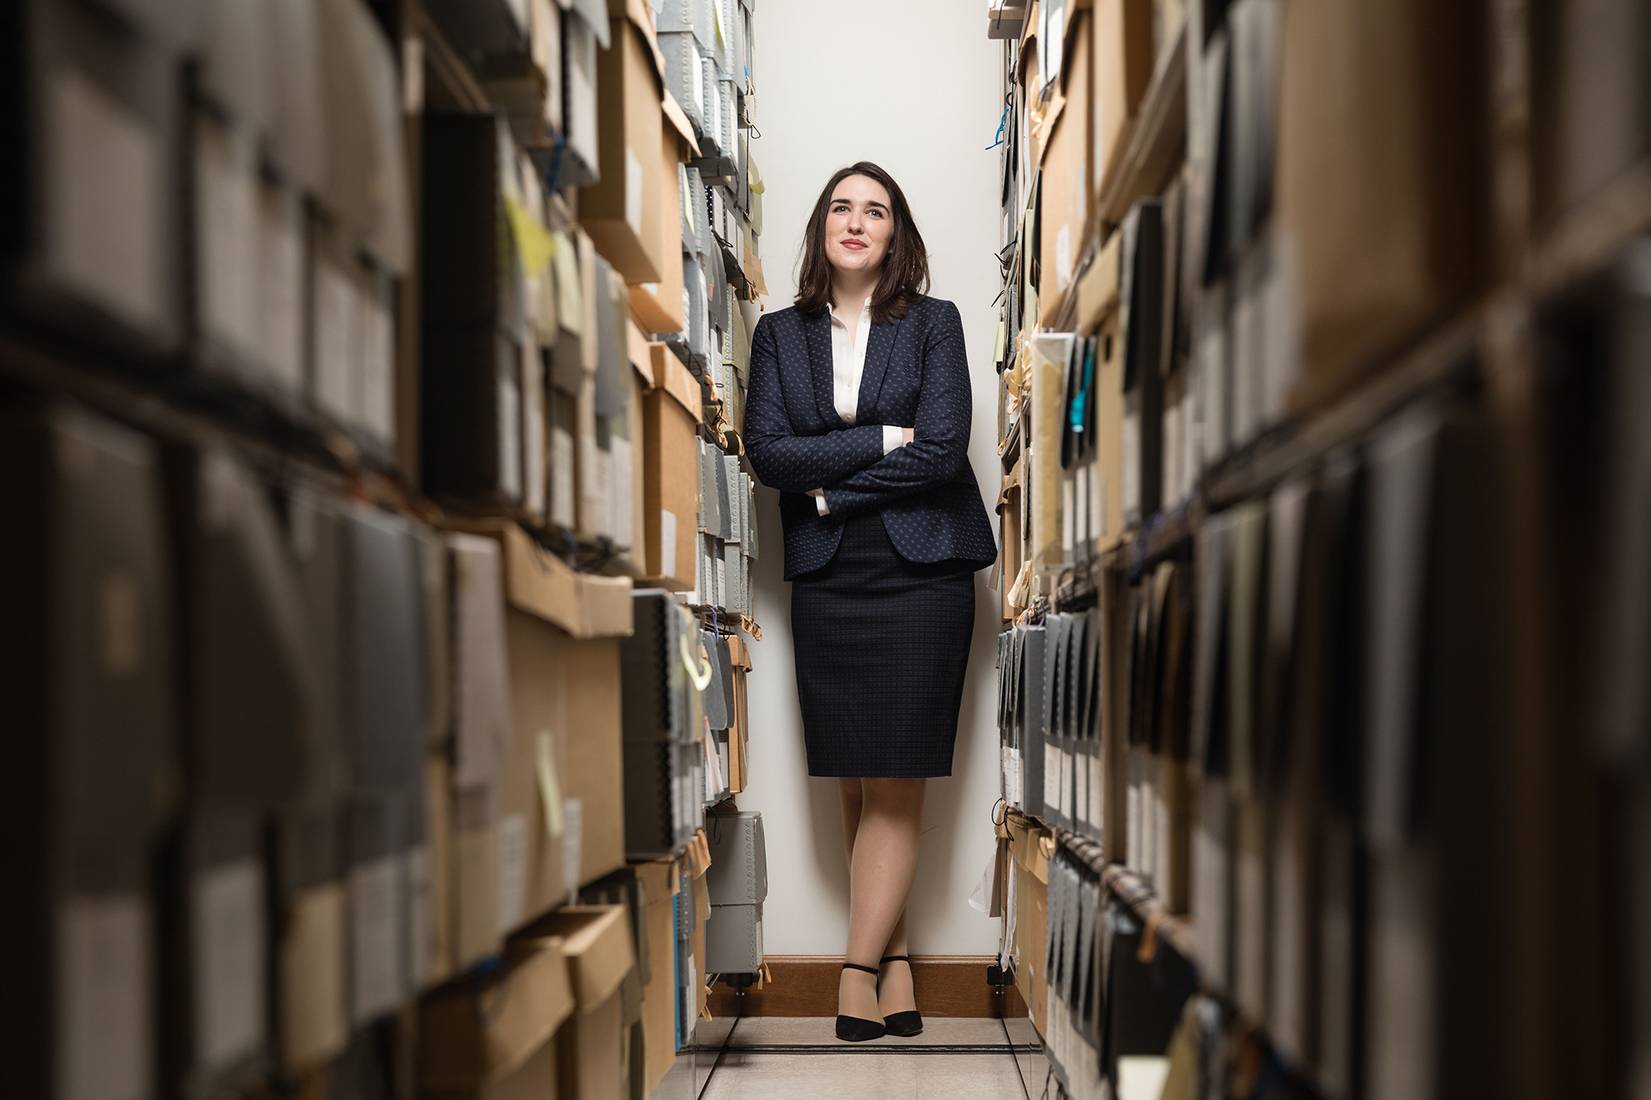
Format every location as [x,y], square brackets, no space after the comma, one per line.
[346,377]
[1195,700]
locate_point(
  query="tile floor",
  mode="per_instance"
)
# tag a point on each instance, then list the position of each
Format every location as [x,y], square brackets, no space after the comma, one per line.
[801,1059]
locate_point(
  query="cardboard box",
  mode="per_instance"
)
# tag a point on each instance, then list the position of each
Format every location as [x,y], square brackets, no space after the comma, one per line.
[1123,64]
[659,881]
[1066,181]
[657,303]
[1378,159]
[560,823]
[596,941]
[495,1037]
[1030,846]
[92,541]
[670,429]
[622,210]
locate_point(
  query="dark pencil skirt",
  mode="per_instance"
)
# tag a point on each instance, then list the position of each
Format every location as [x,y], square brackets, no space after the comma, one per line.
[882,645]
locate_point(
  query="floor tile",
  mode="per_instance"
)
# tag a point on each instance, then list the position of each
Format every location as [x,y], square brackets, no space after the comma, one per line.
[746,1076]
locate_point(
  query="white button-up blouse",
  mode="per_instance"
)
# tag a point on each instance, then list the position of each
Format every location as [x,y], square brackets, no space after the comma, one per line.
[848,366]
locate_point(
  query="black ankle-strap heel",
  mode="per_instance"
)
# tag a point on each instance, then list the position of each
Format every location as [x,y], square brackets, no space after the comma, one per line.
[853,1029]
[902,1024]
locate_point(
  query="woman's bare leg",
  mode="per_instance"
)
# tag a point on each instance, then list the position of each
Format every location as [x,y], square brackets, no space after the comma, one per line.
[880,875]
[895,993]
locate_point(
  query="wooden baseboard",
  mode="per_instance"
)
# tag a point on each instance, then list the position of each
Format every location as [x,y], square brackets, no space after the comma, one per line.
[806,985]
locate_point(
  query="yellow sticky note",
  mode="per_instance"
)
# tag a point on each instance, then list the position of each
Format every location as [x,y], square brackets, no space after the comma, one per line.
[534,244]
[550,786]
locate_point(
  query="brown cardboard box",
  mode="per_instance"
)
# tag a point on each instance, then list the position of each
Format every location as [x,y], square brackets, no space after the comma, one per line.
[1123,61]
[562,797]
[1031,871]
[657,304]
[670,429]
[659,881]
[1381,167]
[1066,180]
[494,1037]
[596,941]
[622,210]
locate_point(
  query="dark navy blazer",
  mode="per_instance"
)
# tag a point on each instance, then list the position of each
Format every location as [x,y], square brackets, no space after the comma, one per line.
[916,376]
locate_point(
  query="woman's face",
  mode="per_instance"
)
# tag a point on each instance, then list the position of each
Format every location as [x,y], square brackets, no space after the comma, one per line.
[858,225]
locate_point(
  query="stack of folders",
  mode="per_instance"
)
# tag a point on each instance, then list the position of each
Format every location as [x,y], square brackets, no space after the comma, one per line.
[727,533]
[719,715]
[1115,995]
[1073,797]
[1155,836]
[1020,716]
[665,671]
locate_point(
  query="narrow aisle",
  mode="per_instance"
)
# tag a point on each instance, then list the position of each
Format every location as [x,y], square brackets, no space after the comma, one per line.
[801,1059]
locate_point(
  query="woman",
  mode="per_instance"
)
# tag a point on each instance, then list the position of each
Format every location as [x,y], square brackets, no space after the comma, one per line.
[859,412]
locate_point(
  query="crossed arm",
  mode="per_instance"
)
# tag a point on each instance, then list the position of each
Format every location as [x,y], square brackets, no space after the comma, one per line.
[848,468]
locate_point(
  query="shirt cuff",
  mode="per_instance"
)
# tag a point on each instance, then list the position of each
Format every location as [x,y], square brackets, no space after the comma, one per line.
[820,505]
[894,437]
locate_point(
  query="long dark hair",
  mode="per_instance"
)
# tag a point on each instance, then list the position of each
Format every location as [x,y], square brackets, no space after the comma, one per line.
[905,274]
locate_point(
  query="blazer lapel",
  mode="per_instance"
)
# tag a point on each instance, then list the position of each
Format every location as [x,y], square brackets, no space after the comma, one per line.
[879,344]
[817,334]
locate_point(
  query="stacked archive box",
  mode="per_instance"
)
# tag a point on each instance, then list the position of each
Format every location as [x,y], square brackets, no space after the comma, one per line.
[349,386]
[1312,415]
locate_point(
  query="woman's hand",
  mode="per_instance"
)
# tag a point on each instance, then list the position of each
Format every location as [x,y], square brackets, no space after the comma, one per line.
[907,435]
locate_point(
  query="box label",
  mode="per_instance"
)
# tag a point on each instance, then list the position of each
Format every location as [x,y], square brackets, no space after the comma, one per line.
[1063,258]
[227,971]
[573,834]
[633,192]
[667,542]
[103,983]
[512,871]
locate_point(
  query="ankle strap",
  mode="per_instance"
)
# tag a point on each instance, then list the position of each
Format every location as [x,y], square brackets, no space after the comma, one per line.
[897,959]
[857,966]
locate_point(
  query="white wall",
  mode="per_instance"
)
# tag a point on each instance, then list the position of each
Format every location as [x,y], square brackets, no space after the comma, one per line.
[911,85]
